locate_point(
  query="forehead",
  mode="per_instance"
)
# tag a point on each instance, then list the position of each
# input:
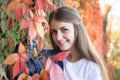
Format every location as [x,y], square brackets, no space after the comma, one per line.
[59,24]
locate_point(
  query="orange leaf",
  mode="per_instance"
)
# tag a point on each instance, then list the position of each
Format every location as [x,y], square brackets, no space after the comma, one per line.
[11,59]
[60,56]
[40,44]
[12,5]
[22,76]
[69,3]
[28,1]
[21,48]
[36,77]
[43,74]
[46,77]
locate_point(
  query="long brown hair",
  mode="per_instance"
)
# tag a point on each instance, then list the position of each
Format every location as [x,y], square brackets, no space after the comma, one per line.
[83,42]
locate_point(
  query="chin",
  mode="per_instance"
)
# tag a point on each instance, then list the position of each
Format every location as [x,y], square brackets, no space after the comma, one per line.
[64,49]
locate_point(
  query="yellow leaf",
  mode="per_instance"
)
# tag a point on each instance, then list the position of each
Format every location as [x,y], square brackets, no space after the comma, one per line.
[11,59]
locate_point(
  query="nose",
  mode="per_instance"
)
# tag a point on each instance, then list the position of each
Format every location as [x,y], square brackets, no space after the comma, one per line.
[59,36]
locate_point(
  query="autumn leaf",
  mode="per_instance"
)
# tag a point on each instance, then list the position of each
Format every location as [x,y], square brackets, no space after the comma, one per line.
[10,42]
[56,73]
[11,59]
[48,65]
[24,76]
[27,1]
[32,31]
[36,77]
[9,21]
[43,74]
[40,44]
[24,23]
[46,77]
[21,48]
[69,3]
[19,11]
[18,59]
[39,29]
[40,4]
[60,56]
[19,66]
[12,5]
[53,69]
[51,6]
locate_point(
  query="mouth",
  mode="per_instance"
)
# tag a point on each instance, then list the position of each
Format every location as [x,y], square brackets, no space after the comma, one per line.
[62,44]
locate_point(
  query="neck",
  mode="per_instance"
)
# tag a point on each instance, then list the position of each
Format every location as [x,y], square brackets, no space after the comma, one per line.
[74,56]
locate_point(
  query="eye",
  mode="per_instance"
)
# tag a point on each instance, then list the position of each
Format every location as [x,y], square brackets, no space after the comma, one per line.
[53,31]
[65,30]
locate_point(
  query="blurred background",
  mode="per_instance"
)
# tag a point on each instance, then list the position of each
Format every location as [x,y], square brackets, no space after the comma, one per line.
[101,19]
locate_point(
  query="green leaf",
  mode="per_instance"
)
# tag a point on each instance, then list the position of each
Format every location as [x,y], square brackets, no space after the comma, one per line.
[3,21]
[3,25]
[3,43]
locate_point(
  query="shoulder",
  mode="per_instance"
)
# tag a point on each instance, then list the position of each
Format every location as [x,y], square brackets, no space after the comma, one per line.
[93,70]
[90,65]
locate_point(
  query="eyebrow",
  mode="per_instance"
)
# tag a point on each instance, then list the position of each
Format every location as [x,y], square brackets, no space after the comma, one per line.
[59,28]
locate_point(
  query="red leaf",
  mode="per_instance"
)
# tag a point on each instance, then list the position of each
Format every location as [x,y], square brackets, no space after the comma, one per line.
[24,57]
[9,21]
[12,5]
[40,4]
[24,24]
[16,68]
[60,56]
[51,6]
[56,73]
[23,66]
[19,66]
[19,11]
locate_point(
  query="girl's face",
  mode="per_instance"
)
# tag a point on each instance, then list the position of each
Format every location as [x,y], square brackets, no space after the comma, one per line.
[63,34]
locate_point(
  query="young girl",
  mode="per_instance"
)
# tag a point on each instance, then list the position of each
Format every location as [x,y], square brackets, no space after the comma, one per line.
[68,33]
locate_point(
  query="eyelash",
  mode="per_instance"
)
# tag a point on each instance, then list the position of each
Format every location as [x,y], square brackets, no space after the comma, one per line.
[63,30]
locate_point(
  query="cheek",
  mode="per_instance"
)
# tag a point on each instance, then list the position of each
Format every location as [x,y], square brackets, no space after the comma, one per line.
[53,37]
